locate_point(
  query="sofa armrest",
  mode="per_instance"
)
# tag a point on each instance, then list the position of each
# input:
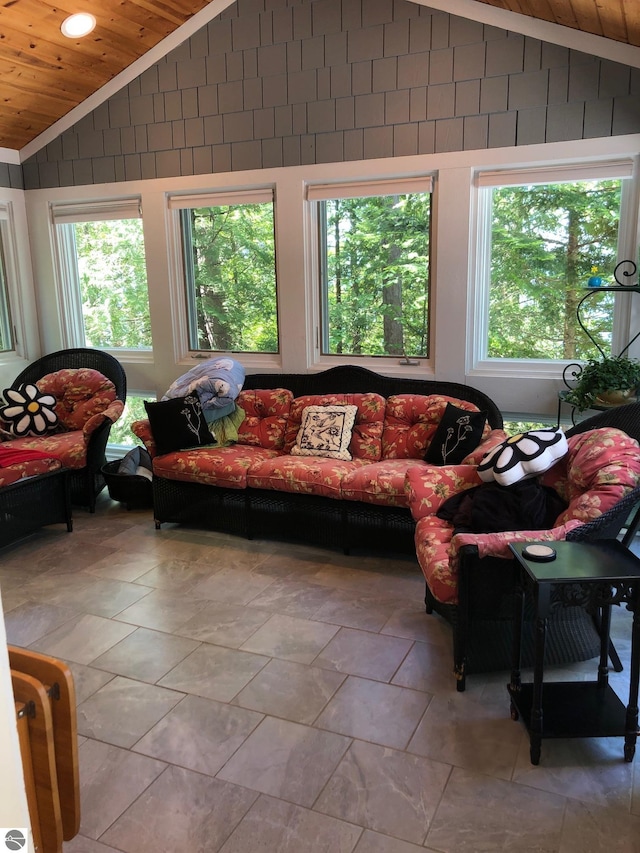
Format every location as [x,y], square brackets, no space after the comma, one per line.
[142,430]
[111,413]
[491,440]
[428,487]
[497,544]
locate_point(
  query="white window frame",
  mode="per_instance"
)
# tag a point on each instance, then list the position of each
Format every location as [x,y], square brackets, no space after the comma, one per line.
[67,282]
[175,203]
[13,294]
[315,192]
[478,363]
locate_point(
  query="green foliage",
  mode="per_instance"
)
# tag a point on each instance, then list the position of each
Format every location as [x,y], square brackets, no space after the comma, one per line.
[545,240]
[376,288]
[121,430]
[113,283]
[608,373]
[229,254]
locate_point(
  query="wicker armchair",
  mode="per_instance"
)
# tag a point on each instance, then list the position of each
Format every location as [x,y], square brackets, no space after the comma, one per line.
[481,618]
[86,483]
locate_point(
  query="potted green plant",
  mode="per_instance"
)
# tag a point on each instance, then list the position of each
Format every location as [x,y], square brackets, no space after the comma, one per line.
[608,380]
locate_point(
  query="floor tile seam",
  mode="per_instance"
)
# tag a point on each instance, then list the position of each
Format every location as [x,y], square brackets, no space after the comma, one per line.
[191,769]
[315,808]
[388,681]
[569,798]
[135,799]
[50,631]
[137,681]
[267,717]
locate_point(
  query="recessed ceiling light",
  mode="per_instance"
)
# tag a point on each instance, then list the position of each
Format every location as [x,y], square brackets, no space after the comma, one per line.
[78,25]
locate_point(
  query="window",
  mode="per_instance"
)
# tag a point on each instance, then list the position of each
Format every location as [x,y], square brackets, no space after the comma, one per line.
[7,342]
[373,242]
[544,239]
[134,410]
[228,256]
[103,274]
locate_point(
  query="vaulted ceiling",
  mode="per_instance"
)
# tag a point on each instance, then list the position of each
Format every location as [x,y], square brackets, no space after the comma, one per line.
[44,75]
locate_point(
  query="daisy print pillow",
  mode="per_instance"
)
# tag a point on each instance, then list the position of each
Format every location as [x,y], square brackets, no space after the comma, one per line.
[525,455]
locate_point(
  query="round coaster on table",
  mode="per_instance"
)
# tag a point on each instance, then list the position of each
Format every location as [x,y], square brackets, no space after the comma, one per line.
[539,553]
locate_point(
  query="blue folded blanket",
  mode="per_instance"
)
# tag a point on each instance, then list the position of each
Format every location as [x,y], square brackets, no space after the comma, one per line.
[216,381]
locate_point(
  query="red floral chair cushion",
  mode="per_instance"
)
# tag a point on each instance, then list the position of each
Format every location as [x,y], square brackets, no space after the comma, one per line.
[18,471]
[601,467]
[411,421]
[84,397]
[366,437]
[266,413]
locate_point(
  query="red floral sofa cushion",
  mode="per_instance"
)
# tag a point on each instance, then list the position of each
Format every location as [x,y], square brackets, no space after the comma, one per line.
[366,438]
[265,419]
[84,399]
[215,466]
[309,475]
[411,421]
[381,483]
[601,467]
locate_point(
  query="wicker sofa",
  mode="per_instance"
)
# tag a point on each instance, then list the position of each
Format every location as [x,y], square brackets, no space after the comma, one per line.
[256,488]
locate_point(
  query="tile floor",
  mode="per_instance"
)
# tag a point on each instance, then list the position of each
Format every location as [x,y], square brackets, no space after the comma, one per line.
[240,696]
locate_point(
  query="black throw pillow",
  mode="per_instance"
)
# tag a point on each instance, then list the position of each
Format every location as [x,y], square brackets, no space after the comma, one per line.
[178,424]
[459,432]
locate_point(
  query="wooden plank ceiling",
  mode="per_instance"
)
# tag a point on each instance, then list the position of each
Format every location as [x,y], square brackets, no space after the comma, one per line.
[43,75]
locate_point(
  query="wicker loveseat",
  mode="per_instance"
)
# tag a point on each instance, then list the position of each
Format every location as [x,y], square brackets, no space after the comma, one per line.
[256,488]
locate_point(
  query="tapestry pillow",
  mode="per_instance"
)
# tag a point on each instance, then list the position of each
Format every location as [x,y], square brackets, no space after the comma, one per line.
[28,411]
[458,433]
[178,424]
[325,431]
[524,455]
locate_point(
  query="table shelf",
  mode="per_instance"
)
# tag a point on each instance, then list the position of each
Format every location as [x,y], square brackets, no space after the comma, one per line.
[573,709]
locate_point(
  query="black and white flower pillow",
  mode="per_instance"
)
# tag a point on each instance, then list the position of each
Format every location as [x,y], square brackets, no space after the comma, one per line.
[524,455]
[29,412]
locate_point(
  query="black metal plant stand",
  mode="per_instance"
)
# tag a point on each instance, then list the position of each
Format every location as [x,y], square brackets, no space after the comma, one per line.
[571,372]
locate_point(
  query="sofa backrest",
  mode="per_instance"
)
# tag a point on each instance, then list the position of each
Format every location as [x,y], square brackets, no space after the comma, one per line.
[366,437]
[411,421]
[353,379]
[80,394]
[601,467]
[266,413]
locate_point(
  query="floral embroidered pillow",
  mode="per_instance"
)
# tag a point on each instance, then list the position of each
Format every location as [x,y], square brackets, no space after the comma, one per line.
[178,424]
[458,433]
[524,455]
[325,431]
[28,411]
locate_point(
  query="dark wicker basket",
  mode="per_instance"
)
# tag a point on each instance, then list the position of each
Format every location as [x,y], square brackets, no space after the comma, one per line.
[130,489]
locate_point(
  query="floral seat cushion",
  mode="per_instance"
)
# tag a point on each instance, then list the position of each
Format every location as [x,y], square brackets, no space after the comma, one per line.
[381,483]
[11,473]
[309,475]
[215,466]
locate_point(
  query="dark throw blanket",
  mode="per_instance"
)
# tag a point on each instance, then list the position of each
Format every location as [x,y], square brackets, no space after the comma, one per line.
[492,508]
